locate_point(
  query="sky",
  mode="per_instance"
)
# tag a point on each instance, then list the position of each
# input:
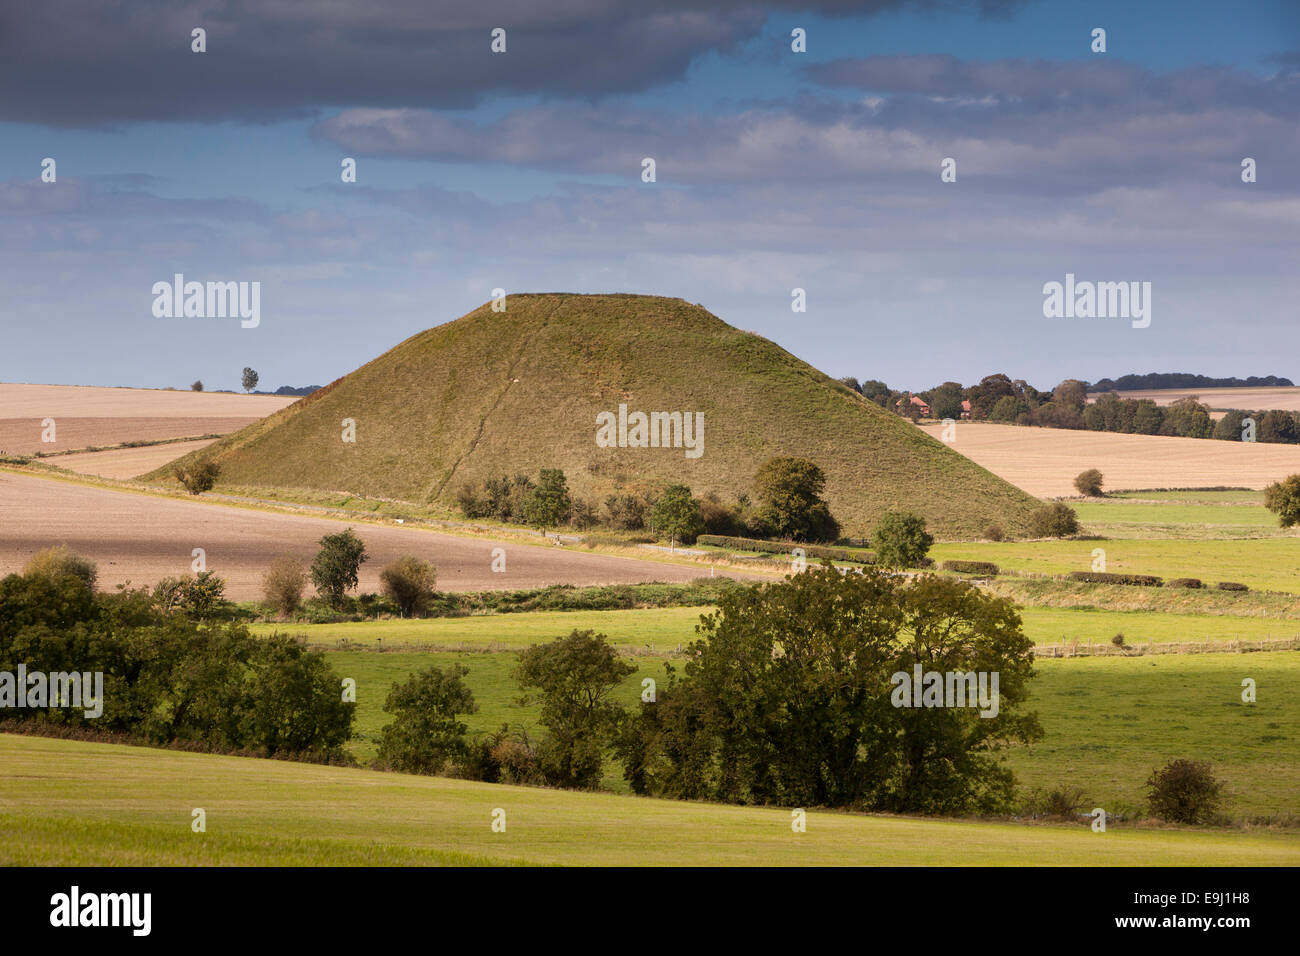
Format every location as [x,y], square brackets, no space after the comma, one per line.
[775,170]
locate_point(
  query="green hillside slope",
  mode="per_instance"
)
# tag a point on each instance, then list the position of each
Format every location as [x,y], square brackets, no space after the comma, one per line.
[497,393]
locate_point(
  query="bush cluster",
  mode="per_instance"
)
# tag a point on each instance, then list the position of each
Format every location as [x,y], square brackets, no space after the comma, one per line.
[169,679]
[1104,577]
[971,567]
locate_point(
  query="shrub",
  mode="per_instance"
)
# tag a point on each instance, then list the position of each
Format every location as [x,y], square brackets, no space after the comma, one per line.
[425,732]
[1104,577]
[408,582]
[1232,586]
[1184,791]
[334,569]
[1185,583]
[198,477]
[1055,520]
[719,518]
[56,562]
[1060,803]
[626,512]
[900,540]
[197,386]
[1089,483]
[248,379]
[283,584]
[1118,639]
[994,532]
[1283,499]
[505,756]
[201,598]
[970,567]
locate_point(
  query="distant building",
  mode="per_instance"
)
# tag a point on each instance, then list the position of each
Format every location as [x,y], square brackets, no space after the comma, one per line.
[917,402]
[965,409]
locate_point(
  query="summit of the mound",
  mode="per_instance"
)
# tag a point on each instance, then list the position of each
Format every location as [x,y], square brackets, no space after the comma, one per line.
[501,393]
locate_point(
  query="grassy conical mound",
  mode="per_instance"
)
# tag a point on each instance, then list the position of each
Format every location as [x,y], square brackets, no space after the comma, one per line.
[497,393]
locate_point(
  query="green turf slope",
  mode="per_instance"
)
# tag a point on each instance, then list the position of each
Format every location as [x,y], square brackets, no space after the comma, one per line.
[497,393]
[72,803]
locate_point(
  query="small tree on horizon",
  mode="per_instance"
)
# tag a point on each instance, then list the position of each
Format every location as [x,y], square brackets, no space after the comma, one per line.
[197,386]
[249,380]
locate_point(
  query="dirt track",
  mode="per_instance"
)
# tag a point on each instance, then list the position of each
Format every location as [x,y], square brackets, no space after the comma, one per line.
[142,539]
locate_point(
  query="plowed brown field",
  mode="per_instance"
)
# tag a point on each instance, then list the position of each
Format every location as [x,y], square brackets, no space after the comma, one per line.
[143,538]
[1045,461]
[89,416]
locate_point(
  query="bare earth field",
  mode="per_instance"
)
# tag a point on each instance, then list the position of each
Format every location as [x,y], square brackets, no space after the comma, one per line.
[1282,397]
[1045,461]
[143,538]
[89,416]
[127,462]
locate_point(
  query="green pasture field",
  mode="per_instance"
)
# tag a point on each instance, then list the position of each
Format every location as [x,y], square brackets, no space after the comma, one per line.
[1203,515]
[653,632]
[1108,721]
[663,629]
[1264,563]
[75,803]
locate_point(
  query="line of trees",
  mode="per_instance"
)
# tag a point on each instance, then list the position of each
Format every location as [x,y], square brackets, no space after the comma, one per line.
[788,491]
[174,673]
[786,697]
[1000,399]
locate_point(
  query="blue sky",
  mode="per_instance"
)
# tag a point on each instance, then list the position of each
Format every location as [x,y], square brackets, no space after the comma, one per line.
[775,170]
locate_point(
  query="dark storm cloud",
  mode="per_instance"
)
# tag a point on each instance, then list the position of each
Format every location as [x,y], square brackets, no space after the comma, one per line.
[89,62]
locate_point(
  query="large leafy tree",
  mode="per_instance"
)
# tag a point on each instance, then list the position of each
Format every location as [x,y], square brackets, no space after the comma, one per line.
[549,504]
[900,540]
[786,698]
[789,492]
[676,515]
[426,730]
[573,677]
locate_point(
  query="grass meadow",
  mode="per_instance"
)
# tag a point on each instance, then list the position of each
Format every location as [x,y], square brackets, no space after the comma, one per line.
[1108,722]
[91,804]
